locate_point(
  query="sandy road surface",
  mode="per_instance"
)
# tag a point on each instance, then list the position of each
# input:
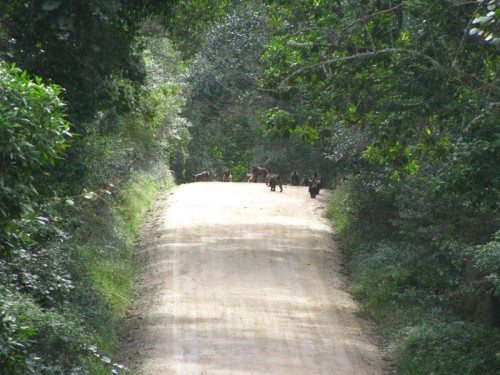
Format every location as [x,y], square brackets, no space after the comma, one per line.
[241,280]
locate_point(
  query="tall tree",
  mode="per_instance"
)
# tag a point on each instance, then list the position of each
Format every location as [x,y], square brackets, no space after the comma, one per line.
[223,97]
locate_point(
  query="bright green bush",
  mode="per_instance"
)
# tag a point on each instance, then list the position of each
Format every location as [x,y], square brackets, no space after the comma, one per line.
[239,172]
[105,257]
[337,211]
[136,196]
[33,135]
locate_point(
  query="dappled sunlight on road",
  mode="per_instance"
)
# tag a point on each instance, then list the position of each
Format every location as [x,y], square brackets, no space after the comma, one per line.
[247,281]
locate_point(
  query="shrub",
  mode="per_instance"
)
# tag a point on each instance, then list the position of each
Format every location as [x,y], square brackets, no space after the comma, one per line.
[487,261]
[38,341]
[33,135]
[14,336]
[449,348]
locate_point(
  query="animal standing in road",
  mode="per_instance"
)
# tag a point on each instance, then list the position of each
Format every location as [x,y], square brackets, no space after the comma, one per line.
[295,179]
[226,175]
[273,180]
[313,189]
[259,171]
[202,176]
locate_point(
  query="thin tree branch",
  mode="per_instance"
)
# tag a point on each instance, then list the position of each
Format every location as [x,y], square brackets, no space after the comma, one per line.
[457,74]
[490,107]
[363,56]
[465,34]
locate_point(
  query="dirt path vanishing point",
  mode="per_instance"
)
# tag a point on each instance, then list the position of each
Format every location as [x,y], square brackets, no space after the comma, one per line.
[241,280]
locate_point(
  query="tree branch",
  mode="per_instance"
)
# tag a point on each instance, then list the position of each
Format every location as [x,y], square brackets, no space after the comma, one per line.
[363,56]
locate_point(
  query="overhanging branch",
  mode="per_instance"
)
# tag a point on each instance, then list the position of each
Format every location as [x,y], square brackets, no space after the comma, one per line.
[363,56]
[450,71]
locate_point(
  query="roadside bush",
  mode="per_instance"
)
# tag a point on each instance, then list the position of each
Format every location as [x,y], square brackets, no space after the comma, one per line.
[103,259]
[136,196]
[433,295]
[66,234]
[33,135]
[486,259]
[449,348]
[39,341]
[71,286]
[383,276]
[239,172]
[14,337]
[371,207]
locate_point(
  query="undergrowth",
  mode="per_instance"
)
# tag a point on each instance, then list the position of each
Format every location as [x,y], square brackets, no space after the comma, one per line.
[61,301]
[415,292]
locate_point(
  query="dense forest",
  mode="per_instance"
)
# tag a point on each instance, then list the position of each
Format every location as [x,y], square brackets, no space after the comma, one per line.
[395,103]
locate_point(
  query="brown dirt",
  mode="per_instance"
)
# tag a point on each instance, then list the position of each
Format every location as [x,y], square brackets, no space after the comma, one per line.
[241,280]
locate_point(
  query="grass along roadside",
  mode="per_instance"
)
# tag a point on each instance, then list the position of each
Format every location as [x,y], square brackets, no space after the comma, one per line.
[113,271]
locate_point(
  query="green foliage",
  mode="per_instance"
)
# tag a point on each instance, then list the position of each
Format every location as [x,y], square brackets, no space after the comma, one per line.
[14,337]
[239,172]
[33,135]
[279,120]
[91,49]
[356,60]
[72,286]
[486,21]
[455,347]
[487,260]
[71,261]
[39,341]
[226,102]
[41,273]
[153,133]
[337,213]
[223,101]
[414,274]
[191,19]
[474,172]
[136,196]
[77,44]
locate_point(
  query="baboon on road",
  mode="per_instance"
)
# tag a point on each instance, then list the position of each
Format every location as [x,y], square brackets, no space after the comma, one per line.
[273,180]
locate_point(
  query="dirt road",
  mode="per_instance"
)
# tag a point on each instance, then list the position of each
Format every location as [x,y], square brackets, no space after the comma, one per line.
[241,280]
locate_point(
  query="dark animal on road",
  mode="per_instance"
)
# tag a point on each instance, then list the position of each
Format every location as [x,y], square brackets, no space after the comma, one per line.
[202,176]
[295,179]
[313,189]
[273,180]
[226,175]
[259,171]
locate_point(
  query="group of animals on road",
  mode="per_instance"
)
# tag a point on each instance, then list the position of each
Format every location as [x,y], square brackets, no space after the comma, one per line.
[271,179]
